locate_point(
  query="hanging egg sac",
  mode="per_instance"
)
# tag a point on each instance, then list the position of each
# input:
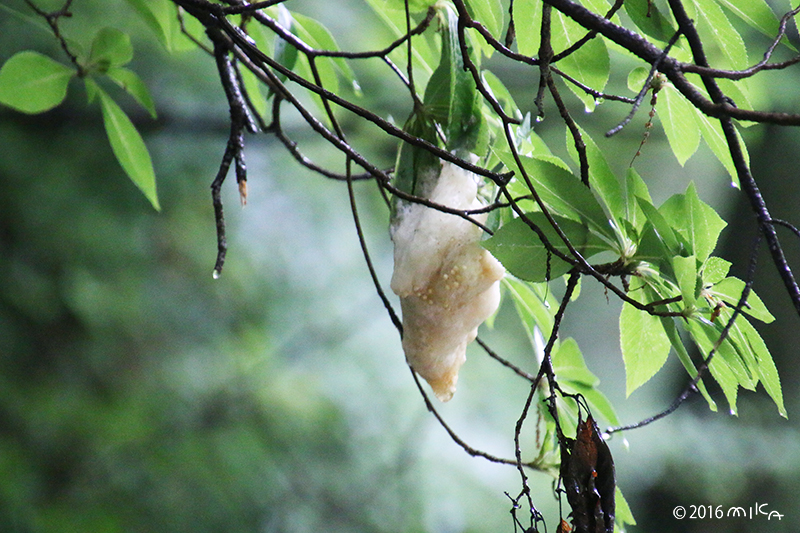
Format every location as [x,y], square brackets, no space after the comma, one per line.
[447,283]
[587,475]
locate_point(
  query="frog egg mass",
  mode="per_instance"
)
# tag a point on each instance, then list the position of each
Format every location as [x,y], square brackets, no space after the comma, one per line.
[447,283]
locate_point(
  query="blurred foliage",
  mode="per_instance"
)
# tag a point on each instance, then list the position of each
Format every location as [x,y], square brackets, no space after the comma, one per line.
[137,395]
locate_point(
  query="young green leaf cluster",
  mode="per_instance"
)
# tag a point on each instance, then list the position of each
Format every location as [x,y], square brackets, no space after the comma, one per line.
[33,83]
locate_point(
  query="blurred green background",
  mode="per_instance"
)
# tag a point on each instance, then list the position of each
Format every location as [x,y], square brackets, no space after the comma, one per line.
[139,394]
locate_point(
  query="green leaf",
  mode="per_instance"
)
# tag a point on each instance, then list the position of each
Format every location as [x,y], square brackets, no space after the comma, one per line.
[677,344]
[715,139]
[253,87]
[528,20]
[678,120]
[133,85]
[489,13]
[704,224]
[562,192]
[706,335]
[648,18]
[161,17]
[451,97]
[623,511]
[756,13]
[521,251]
[414,6]
[636,79]
[685,269]
[155,13]
[719,369]
[644,343]
[663,229]
[601,178]
[128,146]
[715,269]
[590,64]
[33,83]
[636,188]
[417,170]
[110,48]
[285,53]
[568,364]
[598,402]
[501,93]
[726,380]
[729,290]
[533,305]
[766,369]
[739,92]
[392,12]
[314,34]
[714,21]
[529,145]
[695,221]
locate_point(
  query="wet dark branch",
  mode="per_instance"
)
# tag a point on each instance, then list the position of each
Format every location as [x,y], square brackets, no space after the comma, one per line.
[573,257]
[746,179]
[244,7]
[545,56]
[248,53]
[673,69]
[588,37]
[337,141]
[575,132]
[759,207]
[791,227]
[234,150]
[311,52]
[472,452]
[503,49]
[764,64]
[275,127]
[362,241]
[462,213]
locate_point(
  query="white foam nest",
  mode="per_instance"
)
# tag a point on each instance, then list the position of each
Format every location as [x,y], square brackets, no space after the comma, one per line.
[447,283]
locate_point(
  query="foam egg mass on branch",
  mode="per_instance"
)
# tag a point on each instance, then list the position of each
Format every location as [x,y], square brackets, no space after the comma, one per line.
[447,283]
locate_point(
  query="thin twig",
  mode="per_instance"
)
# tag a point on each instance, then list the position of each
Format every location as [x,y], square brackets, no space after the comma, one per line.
[672,68]
[758,67]
[506,363]
[598,95]
[794,229]
[588,37]
[545,371]
[52,19]
[646,86]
